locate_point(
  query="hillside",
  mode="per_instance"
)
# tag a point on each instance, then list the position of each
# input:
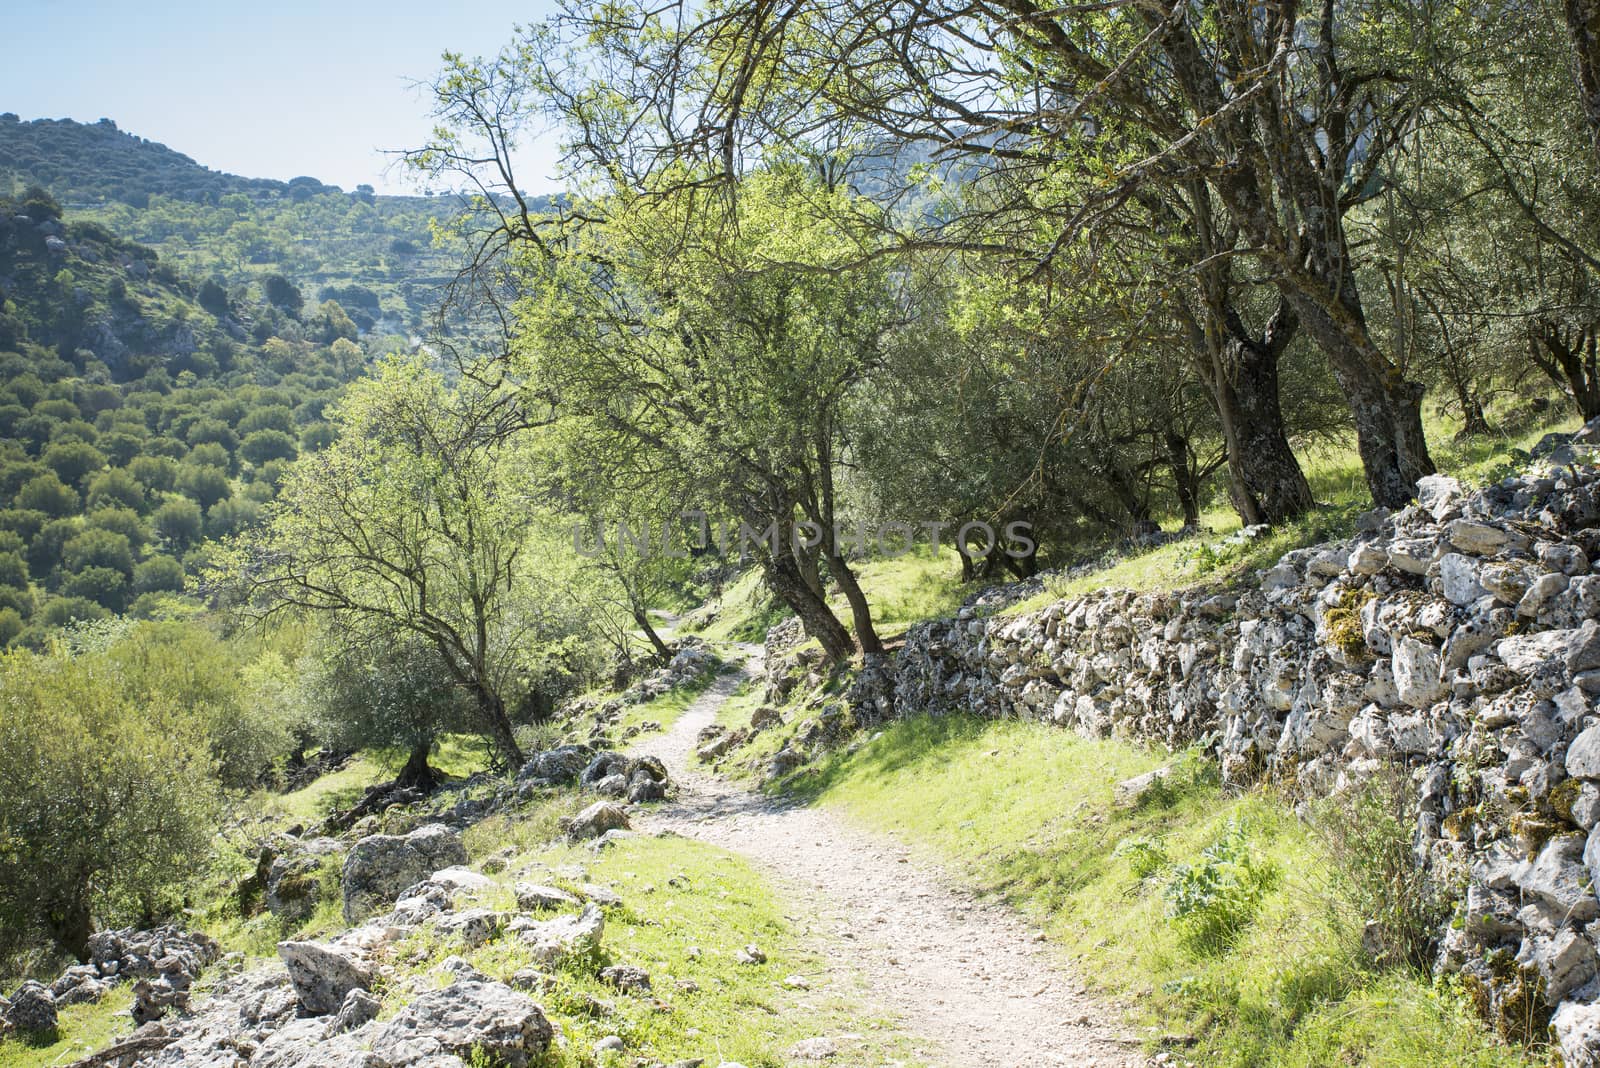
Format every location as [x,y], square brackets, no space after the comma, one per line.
[144,415]
[374,254]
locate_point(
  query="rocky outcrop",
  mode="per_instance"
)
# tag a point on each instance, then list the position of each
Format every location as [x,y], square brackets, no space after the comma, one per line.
[323,976]
[597,819]
[1457,639]
[380,866]
[488,1022]
[162,963]
[31,1009]
[293,880]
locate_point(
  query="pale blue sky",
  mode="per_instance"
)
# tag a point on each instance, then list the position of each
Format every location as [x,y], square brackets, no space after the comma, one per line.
[266,89]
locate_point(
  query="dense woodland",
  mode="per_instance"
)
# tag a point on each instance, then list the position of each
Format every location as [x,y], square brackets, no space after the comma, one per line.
[1111,270]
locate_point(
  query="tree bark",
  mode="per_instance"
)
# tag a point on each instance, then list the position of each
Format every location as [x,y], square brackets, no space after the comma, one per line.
[1386,408]
[642,617]
[1583,24]
[1183,478]
[860,610]
[416,772]
[785,579]
[493,711]
[71,927]
[1264,476]
[1571,364]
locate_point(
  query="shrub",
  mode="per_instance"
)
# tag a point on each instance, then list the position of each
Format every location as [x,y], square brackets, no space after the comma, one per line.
[46,493]
[73,461]
[99,548]
[205,485]
[116,488]
[60,611]
[141,792]
[13,571]
[159,574]
[265,445]
[197,671]
[1375,879]
[102,585]
[179,522]
[1215,898]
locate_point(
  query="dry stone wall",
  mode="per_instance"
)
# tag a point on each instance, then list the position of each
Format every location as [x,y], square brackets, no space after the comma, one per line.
[1457,639]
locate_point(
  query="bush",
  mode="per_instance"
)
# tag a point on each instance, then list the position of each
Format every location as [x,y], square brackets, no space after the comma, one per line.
[46,493]
[116,488]
[1214,899]
[1375,879]
[142,797]
[190,666]
[13,571]
[45,547]
[179,522]
[204,485]
[11,625]
[266,445]
[59,611]
[159,574]
[102,585]
[73,461]
[99,548]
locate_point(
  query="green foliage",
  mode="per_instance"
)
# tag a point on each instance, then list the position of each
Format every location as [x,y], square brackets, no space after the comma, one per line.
[46,493]
[1369,831]
[1214,897]
[109,797]
[387,692]
[179,522]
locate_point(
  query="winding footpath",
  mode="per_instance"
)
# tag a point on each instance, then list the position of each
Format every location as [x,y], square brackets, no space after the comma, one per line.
[969,982]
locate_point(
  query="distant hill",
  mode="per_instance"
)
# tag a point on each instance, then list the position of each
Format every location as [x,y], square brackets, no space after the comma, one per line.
[374,254]
[88,164]
[144,413]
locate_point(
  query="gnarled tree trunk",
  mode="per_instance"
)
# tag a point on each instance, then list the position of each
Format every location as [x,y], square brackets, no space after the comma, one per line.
[786,580]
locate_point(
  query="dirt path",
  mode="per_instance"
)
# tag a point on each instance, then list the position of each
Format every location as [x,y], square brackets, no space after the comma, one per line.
[971,984]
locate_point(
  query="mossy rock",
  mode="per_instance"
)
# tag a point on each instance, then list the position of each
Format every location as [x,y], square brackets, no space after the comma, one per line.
[1563,796]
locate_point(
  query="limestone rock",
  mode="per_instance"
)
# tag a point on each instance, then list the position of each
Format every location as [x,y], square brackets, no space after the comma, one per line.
[33,1009]
[323,975]
[597,819]
[564,936]
[1416,673]
[536,897]
[1576,1029]
[380,866]
[358,1008]
[472,1020]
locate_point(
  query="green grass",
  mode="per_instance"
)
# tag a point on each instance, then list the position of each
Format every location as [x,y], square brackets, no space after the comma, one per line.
[908,589]
[81,1030]
[1024,811]
[744,611]
[1336,480]
[688,908]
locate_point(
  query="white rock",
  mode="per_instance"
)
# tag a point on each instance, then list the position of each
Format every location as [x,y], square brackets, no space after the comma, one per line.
[1479,539]
[1576,1027]
[1458,578]
[323,975]
[1439,495]
[1416,673]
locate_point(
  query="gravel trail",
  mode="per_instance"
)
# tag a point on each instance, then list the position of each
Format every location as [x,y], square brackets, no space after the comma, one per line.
[970,983]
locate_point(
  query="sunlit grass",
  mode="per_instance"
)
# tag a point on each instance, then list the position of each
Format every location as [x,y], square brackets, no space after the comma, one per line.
[81,1030]
[1025,812]
[688,908]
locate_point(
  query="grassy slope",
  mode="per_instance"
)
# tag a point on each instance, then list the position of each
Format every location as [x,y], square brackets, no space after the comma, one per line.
[688,908]
[1025,811]
[1336,479]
